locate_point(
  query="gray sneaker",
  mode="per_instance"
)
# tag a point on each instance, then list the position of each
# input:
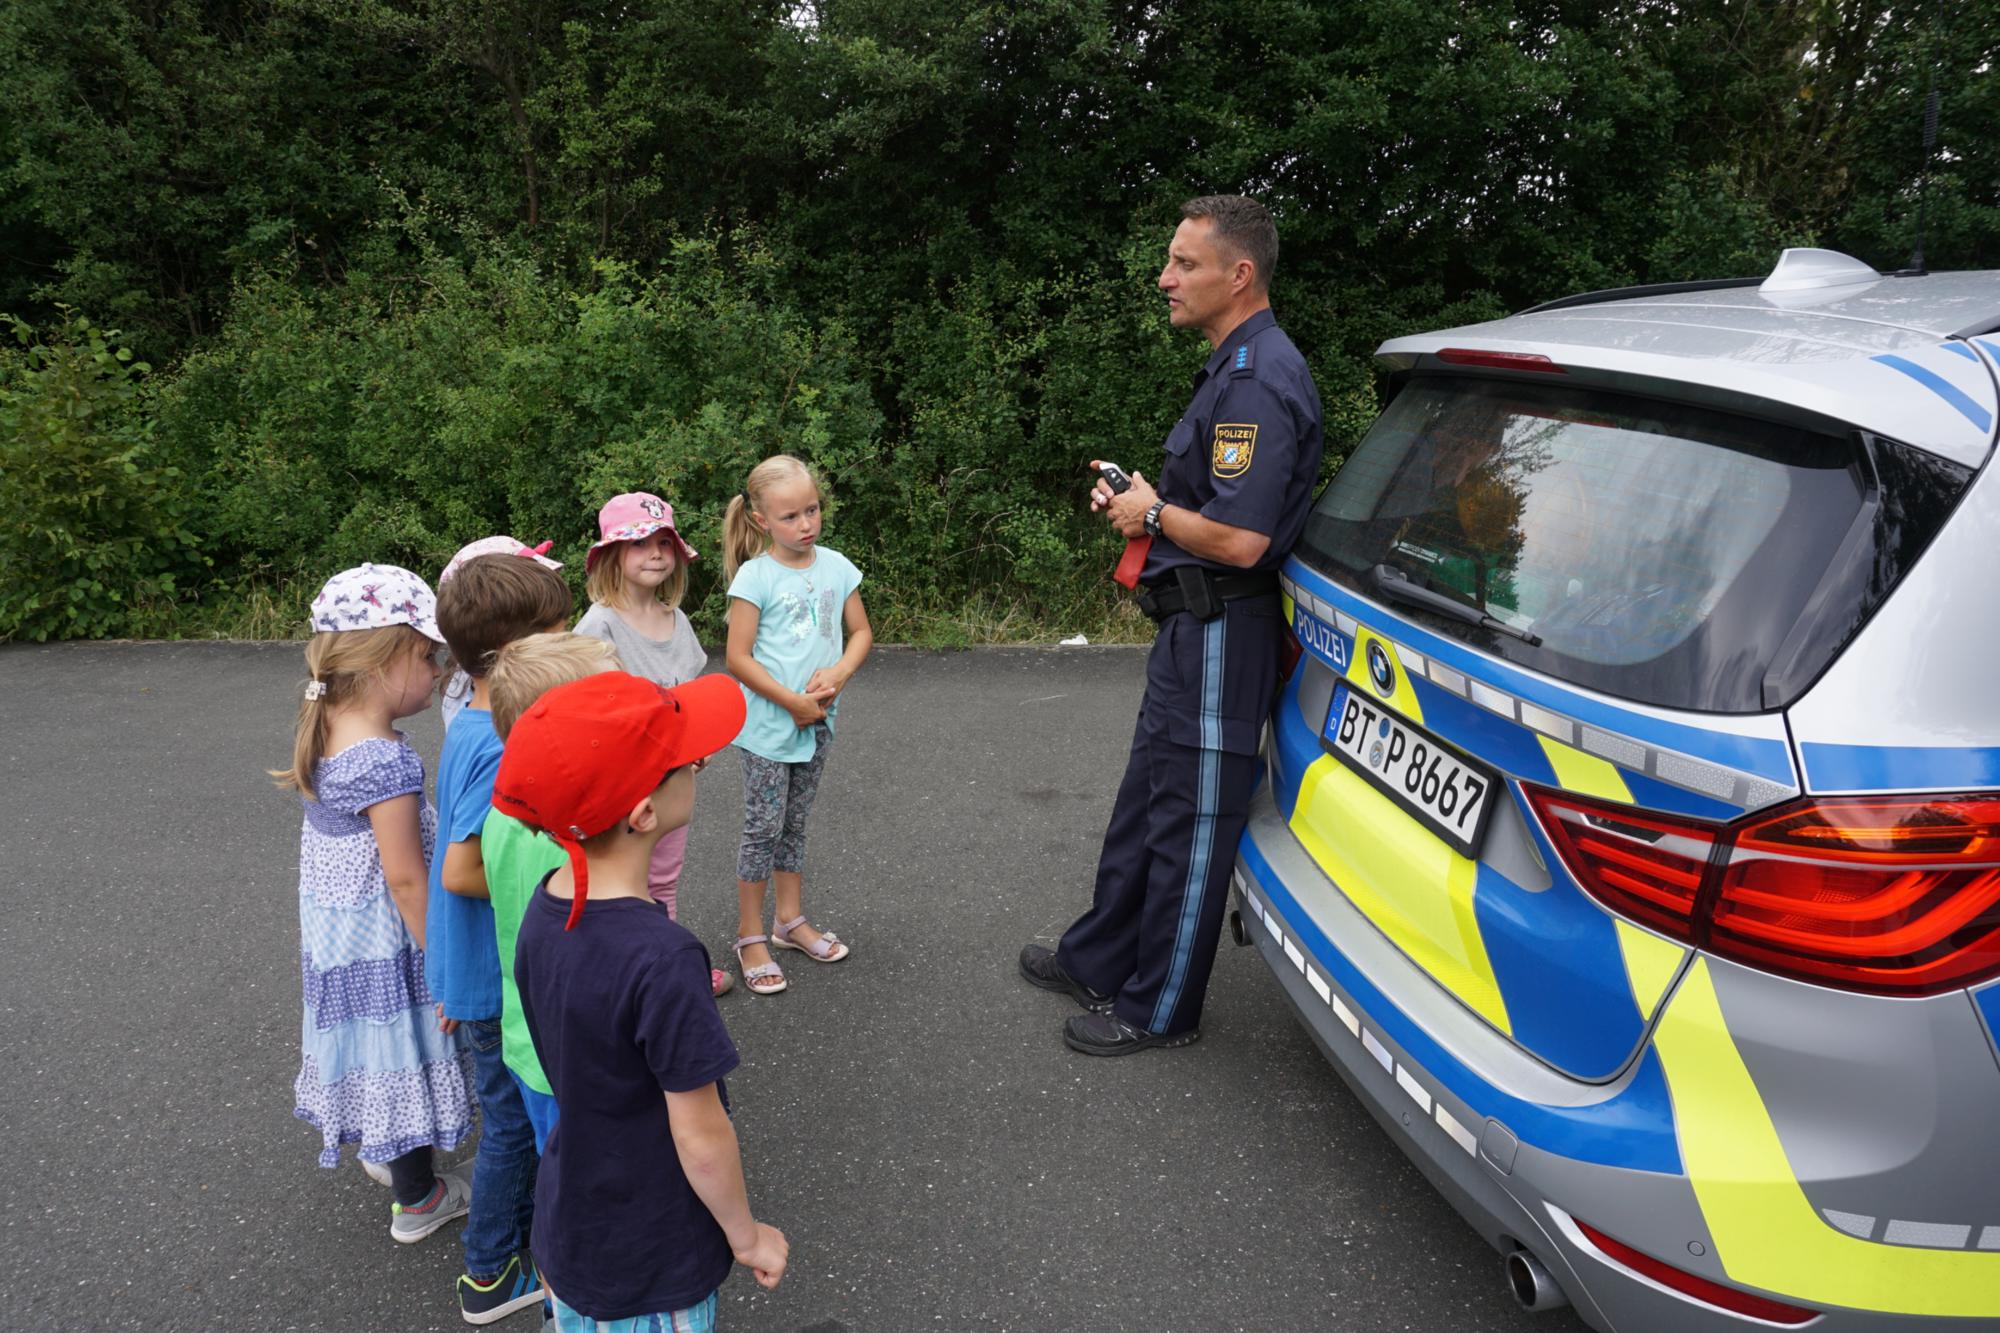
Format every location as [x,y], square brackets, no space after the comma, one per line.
[375,1171]
[452,1198]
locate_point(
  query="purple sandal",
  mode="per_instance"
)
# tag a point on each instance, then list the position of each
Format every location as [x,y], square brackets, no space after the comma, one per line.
[762,972]
[826,949]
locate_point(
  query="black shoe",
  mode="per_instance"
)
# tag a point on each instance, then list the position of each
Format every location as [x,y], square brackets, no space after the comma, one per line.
[1108,1034]
[1040,967]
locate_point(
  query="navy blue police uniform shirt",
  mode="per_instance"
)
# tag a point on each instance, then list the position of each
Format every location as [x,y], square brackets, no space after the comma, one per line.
[1247,450]
[621,1012]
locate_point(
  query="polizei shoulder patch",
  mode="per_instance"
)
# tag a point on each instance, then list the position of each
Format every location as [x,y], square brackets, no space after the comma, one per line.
[1234,443]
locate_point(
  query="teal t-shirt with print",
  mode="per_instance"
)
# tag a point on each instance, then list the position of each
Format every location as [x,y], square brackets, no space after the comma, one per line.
[799,630]
[517,860]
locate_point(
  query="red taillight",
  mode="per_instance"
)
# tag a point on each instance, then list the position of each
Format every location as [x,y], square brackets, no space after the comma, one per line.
[1700,1288]
[1645,866]
[1896,895]
[1478,356]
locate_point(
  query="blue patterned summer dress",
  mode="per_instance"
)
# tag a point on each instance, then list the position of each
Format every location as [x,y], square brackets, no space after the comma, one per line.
[375,1069]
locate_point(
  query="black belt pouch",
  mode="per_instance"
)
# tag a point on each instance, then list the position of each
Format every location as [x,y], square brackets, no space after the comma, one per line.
[1198,592]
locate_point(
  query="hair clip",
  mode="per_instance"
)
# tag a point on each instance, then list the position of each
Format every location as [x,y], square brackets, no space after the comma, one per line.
[315,689]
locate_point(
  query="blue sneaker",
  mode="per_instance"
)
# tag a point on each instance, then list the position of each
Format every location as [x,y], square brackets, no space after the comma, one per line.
[516,1288]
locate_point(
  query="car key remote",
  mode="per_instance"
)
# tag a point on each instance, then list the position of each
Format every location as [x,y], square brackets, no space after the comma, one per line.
[1114,477]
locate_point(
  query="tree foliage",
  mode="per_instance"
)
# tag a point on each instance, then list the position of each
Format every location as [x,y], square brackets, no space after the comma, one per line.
[418,270]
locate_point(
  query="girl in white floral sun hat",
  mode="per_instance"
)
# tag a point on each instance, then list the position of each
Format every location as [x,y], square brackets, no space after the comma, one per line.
[374,1070]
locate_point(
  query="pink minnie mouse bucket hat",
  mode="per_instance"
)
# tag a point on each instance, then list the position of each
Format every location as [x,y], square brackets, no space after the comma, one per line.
[633,517]
[500,545]
[373,596]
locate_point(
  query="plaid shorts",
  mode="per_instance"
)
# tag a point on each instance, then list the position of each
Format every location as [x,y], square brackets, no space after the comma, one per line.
[697,1318]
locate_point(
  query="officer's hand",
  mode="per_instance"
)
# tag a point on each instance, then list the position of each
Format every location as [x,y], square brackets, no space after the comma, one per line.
[1100,493]
[1127,511]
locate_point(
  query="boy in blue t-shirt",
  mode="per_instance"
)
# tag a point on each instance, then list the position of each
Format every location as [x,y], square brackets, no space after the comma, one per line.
[641,1207]
[487,603]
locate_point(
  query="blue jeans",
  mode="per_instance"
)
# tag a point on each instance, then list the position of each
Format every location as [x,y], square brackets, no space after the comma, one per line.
[503,1171]
[541,1108]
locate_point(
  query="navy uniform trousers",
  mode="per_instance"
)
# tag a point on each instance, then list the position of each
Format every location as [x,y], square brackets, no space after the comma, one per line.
[1155,916]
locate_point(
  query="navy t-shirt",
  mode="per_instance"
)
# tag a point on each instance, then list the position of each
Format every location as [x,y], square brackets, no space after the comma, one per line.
[621,1013]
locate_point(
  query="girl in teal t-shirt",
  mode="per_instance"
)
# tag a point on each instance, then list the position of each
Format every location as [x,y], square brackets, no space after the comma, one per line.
[797,634]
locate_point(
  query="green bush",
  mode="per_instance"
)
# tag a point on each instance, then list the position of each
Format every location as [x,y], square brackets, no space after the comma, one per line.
[97,539]
[398,418]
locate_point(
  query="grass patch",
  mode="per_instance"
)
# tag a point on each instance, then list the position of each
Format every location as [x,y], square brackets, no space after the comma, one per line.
[994,618]
[253,611]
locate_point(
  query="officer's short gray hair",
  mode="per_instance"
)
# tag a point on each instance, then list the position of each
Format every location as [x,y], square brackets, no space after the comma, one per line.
[1243,226]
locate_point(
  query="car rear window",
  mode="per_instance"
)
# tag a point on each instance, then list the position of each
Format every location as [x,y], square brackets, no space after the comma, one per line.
[1659,552]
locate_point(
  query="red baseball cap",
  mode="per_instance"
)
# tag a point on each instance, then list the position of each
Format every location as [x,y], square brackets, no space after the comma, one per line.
[586,752]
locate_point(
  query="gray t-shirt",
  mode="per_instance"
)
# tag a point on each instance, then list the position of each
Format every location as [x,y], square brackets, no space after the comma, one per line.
[670,661]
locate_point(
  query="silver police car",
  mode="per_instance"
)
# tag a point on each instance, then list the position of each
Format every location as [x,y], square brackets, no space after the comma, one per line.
[1629,837]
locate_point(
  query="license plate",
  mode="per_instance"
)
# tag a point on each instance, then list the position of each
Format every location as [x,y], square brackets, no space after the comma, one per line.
[1447,792]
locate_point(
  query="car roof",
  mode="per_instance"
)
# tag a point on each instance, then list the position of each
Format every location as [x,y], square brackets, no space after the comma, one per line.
[1912,358]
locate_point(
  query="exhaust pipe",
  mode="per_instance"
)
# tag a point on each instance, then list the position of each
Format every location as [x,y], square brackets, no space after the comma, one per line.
[1236,928]
[1532,1284]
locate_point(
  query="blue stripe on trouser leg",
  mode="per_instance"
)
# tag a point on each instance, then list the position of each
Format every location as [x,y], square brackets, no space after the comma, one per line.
[1200,800]
[1163,873]
[1203,850]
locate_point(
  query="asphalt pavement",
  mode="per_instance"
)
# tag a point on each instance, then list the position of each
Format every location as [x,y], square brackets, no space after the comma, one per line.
[910,1117]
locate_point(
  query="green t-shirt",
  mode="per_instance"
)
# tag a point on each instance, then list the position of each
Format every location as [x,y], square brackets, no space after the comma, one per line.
[517,859]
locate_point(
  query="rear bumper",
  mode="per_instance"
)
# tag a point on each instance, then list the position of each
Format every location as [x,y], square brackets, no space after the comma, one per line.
[1516,1148]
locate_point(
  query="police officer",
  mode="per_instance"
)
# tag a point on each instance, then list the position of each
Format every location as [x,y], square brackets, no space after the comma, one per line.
[1235,486]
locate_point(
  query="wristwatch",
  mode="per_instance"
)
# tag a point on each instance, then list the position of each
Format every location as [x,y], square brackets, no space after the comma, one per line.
[1153,518]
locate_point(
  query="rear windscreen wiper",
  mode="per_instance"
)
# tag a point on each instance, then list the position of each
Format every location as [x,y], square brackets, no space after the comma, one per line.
[1393,582]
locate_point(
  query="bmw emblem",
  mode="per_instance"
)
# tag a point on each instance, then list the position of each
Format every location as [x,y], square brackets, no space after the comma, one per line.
[1380,671]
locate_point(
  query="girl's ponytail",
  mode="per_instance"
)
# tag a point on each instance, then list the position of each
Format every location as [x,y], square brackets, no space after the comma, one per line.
[342,663]
[309,736]
[742,539]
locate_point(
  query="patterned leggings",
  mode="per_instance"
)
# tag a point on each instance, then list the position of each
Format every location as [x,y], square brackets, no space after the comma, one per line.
[777,797]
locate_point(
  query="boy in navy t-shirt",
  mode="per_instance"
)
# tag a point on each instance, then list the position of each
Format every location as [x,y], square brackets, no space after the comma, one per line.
[640,1208]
